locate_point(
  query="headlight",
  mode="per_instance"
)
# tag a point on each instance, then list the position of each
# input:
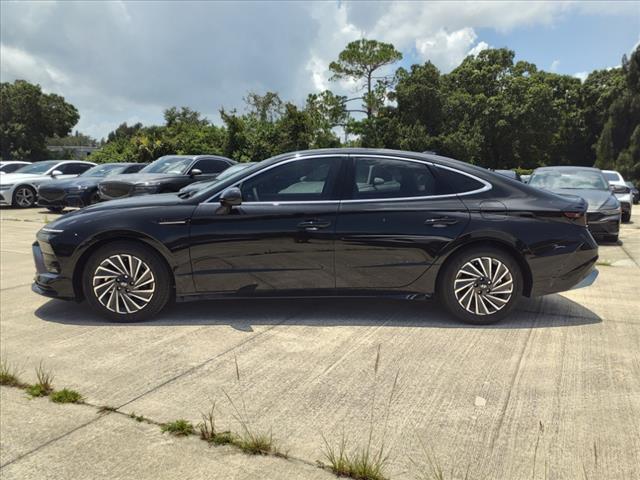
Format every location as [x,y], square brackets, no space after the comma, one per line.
[6,186]
[613,211]
[51,230]
[78,188]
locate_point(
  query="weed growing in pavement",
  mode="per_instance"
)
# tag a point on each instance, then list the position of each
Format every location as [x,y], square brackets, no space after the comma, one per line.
[138,418]
[249,440]
[179,428]
[369,461]
[10,373]
[208,431]
[106,409]
[66,396]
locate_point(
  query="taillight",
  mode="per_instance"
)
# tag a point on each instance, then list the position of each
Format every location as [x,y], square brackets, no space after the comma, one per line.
[577,217]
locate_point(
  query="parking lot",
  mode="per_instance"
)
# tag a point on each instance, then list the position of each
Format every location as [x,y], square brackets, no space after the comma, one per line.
[553,392]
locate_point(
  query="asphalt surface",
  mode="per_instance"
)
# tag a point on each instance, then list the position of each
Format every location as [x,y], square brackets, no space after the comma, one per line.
[553,392]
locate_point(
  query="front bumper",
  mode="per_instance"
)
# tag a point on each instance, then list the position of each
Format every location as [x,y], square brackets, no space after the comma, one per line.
[47,283]
[5,198]
[600,224]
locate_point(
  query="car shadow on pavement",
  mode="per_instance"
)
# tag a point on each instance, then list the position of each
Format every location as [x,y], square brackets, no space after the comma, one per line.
[549,311]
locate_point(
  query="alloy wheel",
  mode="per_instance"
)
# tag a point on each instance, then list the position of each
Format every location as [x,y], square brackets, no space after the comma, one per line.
[483,286]
[25,197]
[124,284]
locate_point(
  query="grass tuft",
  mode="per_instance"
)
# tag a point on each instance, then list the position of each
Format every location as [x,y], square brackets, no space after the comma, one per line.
[139,418]
[66,396]
[10,373]
[37,390]
[209,433]
[106,409]
[179,428]
[249,440]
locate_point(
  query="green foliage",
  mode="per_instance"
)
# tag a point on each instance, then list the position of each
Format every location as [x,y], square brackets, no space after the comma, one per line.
[10,373]
[66,396]
[618,145]
[358,62]
[179,428]
[28,116]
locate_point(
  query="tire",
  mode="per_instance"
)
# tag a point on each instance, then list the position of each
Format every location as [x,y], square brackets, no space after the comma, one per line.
[24,196]
[497,304]
[114,262]
[55,209]
[611,238]
[626,217]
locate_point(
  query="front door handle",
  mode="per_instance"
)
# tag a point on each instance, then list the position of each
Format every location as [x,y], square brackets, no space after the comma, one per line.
[314,225]
[440,222]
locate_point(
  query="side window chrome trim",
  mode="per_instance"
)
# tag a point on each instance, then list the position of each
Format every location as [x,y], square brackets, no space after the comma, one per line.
[486,185]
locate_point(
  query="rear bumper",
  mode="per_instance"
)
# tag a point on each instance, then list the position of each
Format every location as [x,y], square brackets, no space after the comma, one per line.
[561,266]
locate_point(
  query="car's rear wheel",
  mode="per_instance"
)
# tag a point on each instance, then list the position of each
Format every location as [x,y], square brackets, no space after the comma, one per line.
[24,196]
[480,285]
[126,282]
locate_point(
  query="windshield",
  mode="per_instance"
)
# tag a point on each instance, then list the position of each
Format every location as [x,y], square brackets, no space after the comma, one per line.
[572,180]
[104,170]
[39,167]
[611,176]
[175,165]
[228,176]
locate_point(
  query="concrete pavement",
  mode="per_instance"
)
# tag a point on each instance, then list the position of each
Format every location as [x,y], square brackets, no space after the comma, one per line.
[563,374]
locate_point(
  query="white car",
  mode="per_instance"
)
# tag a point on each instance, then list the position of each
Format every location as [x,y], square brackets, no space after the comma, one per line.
[21,188]
[621,191]
[10,166]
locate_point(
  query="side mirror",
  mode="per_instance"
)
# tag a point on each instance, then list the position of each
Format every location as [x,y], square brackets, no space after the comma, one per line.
[55,173]
[378,181]
[618,189]
[195,171]
[231,197]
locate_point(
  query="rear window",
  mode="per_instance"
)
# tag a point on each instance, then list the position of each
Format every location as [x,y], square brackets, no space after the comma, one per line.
[449,181]
[611,176]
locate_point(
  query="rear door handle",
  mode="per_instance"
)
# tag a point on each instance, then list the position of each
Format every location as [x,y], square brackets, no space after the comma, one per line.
[314,225]
[439,222]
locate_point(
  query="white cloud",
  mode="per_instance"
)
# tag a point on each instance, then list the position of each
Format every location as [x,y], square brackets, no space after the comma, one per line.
[581,75]
[554,66]
[446,50]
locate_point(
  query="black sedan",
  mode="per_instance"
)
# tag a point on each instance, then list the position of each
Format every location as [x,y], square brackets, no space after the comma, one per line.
[82,190]
[325,222]
[167,174]
[604,211]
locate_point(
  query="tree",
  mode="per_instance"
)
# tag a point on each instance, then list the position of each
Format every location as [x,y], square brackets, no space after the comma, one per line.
[28,116]
[359,61]
[618,146]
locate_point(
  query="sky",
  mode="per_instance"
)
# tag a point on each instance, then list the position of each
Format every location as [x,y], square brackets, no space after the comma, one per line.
[126,61]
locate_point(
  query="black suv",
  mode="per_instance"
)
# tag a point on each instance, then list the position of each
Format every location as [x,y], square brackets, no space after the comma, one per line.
[167,174]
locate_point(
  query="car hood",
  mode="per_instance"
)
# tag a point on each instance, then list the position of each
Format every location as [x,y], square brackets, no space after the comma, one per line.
[9,178]
[594,198]
[136,178]
[73,182]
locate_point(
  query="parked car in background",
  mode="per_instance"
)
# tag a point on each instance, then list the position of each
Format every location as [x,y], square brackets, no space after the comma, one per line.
[167,174]
[525,178]
[621,191]
[10,166]
[81,191]
[635,193]
[510,174]
[20,188]
[603,213]
[206,183]
[325,222]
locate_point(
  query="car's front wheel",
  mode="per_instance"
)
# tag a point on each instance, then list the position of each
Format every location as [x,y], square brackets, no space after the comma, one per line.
[24,196]
[480,285]
[126,282]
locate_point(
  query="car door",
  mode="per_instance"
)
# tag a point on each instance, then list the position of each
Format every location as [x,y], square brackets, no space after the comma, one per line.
[280,238]
[396,221]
